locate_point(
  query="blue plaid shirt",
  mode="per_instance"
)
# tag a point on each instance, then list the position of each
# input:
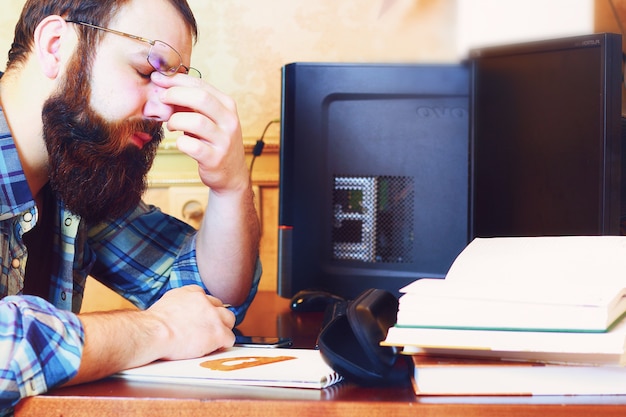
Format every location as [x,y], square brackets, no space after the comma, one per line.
[140,256]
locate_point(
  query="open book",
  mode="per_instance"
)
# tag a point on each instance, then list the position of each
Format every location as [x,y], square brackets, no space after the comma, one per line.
[296,368]
[575,284]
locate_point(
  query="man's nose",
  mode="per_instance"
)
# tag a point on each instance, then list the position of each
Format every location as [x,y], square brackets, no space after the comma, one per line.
[154,108]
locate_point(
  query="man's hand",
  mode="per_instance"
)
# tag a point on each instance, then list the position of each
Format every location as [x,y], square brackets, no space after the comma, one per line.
[196,323]
[184,323]
[212,132]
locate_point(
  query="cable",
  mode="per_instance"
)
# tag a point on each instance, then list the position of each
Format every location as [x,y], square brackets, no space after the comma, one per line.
[260,144]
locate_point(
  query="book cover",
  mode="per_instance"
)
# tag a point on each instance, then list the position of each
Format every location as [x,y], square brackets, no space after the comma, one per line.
[457,376]
[295,368]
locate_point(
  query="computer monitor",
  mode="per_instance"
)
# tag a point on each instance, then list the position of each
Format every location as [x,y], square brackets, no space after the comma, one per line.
[374,175]
[546,133]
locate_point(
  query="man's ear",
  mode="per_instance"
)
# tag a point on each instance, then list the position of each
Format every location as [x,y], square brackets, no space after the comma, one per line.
[48,41]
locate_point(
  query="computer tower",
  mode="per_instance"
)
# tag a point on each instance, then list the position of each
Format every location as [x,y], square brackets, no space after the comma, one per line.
[374,175]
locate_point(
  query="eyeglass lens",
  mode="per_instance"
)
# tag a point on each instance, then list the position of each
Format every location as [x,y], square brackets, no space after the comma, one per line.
[167,60]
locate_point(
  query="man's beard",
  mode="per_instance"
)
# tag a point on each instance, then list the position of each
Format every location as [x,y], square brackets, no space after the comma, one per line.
[93,167]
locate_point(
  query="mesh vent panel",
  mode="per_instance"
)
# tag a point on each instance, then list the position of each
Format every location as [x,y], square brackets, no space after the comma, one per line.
[373,219]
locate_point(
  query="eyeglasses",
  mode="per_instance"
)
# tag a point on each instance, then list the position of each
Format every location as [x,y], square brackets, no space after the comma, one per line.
[163,58]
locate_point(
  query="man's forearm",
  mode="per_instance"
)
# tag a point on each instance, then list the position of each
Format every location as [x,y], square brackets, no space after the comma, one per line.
[228,245]
[117,340]
[184,323]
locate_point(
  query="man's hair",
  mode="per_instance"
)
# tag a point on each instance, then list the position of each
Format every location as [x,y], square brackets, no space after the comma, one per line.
[97,12]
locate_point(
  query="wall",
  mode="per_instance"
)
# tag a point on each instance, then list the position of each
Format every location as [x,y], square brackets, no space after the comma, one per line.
[248,42]
[488,22]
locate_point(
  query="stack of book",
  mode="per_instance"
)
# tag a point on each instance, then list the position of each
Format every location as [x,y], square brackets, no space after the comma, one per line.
[520,316]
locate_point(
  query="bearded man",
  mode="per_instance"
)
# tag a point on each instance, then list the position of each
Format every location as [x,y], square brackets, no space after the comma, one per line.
[88,85]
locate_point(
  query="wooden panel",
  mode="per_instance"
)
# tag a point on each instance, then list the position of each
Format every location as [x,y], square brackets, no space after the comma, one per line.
[99,298]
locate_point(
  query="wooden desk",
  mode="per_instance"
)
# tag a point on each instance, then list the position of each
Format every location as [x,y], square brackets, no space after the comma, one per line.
[270,315]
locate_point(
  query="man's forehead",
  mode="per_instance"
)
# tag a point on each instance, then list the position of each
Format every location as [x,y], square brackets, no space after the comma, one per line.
[156,20]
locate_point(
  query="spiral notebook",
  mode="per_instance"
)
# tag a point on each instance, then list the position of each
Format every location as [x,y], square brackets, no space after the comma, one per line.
[296,368]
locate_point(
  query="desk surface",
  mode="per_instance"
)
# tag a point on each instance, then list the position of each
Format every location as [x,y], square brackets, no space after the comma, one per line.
[270,315]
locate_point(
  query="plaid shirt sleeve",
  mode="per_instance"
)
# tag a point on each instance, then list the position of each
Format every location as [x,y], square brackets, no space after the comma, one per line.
[148,253]
[40,347]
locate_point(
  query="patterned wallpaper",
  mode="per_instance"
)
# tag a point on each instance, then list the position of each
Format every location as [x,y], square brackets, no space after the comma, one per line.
[244,43]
